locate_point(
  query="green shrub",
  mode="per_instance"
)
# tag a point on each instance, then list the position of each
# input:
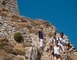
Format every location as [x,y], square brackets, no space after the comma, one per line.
[18,37]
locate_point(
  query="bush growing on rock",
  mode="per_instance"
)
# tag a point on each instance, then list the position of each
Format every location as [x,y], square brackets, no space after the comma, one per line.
[18,37]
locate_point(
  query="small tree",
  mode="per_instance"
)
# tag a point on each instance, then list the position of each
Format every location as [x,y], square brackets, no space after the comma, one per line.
[18,37]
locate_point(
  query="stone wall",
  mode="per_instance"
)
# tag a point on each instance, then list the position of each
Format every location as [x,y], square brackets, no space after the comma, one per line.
[11,5]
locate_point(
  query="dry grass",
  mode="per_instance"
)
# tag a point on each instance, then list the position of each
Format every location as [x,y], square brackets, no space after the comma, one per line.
[4,12]
[5,55]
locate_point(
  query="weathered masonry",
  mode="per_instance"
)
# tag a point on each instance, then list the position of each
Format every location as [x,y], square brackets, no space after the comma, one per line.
[10,5]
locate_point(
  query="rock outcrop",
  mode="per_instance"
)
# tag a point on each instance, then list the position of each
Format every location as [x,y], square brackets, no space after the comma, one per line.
[29,49]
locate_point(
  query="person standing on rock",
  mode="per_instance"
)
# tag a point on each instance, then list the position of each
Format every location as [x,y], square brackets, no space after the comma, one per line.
[61,40]
[52,40]
[52,43]
[40,35]
[57,49]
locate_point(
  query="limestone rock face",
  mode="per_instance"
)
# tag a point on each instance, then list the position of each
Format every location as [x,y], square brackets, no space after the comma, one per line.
[15,51]
[29,49]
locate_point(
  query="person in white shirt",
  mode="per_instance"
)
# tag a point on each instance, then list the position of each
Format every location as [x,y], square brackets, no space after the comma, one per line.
[57,51]
[61,40]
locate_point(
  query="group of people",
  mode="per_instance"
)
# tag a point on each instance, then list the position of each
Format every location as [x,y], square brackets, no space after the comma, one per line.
[57,44]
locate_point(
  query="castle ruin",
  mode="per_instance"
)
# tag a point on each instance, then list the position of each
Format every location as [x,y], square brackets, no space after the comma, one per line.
[10,5]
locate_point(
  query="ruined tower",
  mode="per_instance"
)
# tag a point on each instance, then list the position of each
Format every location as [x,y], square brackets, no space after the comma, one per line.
[10,5]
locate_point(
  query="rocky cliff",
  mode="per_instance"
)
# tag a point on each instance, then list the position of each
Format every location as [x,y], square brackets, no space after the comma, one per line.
[29,49]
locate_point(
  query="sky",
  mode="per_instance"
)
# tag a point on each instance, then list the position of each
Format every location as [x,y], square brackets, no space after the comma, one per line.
[61,13]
